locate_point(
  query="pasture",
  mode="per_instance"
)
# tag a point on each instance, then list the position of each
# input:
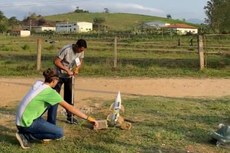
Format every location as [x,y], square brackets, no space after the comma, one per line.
[159,123]
[156,56]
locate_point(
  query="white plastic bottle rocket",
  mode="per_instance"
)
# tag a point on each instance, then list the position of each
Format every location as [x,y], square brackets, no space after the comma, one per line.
[115,108]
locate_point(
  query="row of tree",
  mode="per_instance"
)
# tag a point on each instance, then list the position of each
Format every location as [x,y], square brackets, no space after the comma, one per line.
[218,15]
[7,24]
[30,21]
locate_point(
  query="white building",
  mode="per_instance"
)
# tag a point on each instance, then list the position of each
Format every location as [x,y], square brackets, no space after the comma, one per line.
[24,33]
[84,26]
[77,27]
[155,24]
[182,29]
[43,28]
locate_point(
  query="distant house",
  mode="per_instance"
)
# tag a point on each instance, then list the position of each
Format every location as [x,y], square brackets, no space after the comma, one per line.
[21,33]
[77,27]
[155,24]
[182,29]
[24,33]
[43,28]
[84,26]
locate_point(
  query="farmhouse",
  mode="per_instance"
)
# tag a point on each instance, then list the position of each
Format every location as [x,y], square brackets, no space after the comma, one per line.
[77,27]
[155,24]
[43,28]
[182,29]
[21,33]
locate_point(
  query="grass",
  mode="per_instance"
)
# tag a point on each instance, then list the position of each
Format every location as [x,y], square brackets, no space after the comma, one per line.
[112,20]
[149,57]
[161,124]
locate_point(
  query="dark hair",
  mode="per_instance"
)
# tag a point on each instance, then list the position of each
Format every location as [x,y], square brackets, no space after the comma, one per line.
[49,75]
[81,43]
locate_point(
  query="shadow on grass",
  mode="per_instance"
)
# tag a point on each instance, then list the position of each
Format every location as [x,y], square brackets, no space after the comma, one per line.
[7,111]
[30,57]
[149,62]
[169,63]
[6,135]
[5,131]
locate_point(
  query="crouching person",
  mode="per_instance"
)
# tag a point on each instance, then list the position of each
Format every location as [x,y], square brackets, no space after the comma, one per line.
[30,124]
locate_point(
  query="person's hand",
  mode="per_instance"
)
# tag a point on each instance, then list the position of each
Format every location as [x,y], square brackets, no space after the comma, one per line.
[70,73]
[95,124]
[92,121]
[76,71]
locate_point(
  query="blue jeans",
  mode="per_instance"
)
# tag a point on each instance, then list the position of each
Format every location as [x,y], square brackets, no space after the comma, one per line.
[41,129]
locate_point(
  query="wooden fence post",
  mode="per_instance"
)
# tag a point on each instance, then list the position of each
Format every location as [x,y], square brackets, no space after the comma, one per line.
[39,54]
[115,53]
[201,50]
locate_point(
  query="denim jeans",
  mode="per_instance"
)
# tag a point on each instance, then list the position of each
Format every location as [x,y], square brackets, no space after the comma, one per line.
[41,129]
[52,111]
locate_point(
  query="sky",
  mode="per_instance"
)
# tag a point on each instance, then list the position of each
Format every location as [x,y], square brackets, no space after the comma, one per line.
[178,9]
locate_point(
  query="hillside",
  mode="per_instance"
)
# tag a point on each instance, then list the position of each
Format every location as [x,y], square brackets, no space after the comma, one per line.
[115,21]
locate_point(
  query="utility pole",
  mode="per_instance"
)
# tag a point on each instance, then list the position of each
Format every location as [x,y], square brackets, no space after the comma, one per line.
[30,25]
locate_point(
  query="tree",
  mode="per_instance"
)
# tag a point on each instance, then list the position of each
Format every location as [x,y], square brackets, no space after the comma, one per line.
[3,28]
[41,21]
[3,22]
[13,22]
[2,16]
[106,10]
[98,22]
[78,10]
[169,16]
[217,12]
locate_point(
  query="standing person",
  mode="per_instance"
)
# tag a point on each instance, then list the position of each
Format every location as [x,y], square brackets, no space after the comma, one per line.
[29,121]
[64,62]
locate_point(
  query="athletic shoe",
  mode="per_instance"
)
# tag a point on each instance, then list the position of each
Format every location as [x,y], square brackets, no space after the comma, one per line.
[23,141]
[72,120]
[60,139]
[46,140]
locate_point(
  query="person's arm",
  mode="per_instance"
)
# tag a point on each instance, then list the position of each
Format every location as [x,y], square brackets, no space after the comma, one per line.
[77,112]
[57,62]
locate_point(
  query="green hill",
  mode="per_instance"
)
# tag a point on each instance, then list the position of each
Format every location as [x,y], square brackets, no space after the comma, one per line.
[114,21]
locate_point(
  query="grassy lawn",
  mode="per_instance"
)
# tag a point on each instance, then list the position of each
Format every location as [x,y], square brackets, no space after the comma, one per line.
[160,124]
[155,57]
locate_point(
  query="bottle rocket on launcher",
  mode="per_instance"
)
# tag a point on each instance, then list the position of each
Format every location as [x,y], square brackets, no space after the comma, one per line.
[115,108]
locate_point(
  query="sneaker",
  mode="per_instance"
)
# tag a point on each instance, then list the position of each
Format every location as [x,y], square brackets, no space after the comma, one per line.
[46,140]
[23,141]
[60,139]
[72,120]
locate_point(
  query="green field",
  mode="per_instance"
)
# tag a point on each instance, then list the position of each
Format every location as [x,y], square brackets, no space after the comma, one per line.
[155,56]
[114,21]
[159,124]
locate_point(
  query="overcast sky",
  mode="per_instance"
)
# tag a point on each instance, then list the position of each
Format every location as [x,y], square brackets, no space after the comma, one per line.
[178,9]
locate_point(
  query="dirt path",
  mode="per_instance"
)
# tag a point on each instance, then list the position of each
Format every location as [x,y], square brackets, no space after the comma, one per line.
[13,89]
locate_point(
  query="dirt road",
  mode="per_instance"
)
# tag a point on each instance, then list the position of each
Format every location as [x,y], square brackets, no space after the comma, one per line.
[13,89]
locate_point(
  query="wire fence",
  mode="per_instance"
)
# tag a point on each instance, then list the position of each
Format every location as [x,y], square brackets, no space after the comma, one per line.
[162,51]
